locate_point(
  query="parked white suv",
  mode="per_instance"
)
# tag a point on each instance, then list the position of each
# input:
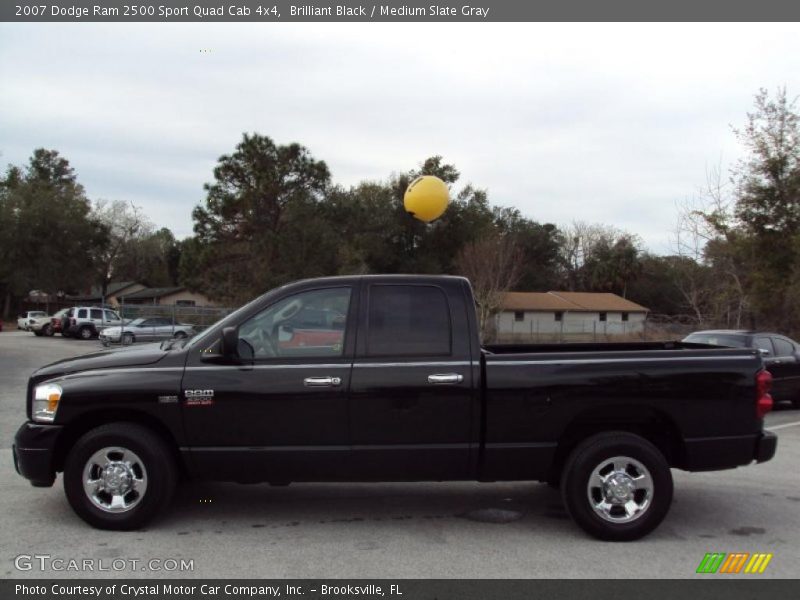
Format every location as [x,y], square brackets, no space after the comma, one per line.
[86,322]
[24,320]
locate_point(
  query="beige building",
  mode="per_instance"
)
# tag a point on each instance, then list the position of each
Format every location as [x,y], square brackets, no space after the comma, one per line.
[114,290]
[171,296]
[554,315]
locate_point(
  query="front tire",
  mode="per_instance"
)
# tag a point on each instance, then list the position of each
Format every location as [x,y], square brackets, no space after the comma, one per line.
[617,486]
[119,476]
[47,330]
[127,339]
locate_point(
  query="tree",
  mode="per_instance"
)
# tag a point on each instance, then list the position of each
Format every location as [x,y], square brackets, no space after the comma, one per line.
[47,235]
[492,264]
[239,251]
[767,207]
[599,258]
[124,225]
[150,258]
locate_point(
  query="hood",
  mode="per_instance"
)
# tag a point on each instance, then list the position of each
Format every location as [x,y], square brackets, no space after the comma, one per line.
[145,354]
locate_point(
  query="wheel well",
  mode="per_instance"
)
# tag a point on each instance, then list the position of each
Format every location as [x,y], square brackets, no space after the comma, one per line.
[655,427]
[73,431]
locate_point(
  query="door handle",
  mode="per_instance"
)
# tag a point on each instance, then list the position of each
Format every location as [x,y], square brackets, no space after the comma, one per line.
[445,378]
[322,381]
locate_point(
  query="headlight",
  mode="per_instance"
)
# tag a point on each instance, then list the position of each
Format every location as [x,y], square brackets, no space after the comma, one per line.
[45,402]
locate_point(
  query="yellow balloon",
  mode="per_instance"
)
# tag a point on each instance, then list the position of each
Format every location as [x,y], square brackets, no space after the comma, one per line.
[426,198]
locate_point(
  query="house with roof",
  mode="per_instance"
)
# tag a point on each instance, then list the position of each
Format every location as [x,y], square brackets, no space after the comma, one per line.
[549,315]
[165,296]
[114,289]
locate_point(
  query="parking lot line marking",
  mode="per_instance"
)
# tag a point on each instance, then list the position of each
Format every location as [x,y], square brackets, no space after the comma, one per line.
[784,425]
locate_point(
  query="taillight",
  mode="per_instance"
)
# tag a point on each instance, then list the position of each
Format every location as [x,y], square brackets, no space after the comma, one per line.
[763,398]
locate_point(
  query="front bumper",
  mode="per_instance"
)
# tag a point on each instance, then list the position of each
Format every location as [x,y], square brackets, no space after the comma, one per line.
[34,449]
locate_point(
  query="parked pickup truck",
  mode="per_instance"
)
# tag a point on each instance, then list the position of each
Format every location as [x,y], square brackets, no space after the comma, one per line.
[398,389]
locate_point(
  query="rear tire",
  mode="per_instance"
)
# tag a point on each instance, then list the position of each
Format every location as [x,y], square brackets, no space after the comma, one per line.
[617,486]
[85,333]
[125,458]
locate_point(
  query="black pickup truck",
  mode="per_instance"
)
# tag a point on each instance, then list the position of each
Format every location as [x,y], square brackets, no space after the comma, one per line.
[383,378]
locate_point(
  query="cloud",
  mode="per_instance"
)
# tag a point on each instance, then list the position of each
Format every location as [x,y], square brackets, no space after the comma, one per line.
[598,122]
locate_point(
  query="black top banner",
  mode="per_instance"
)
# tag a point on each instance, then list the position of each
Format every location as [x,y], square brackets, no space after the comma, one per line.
[434,11]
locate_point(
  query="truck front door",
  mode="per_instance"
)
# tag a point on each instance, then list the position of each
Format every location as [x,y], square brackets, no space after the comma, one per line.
[282,416]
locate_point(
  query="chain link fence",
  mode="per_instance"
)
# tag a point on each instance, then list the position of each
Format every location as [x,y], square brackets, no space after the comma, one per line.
[199,317]
[535,331]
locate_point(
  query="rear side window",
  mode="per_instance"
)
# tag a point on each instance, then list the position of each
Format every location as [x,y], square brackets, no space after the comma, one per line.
[82,313]
[764,344]
[716,339]
[408,320]
[782,347]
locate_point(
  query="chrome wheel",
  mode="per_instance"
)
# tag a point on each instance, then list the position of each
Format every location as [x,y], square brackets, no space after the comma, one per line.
[114,479]
[620,489]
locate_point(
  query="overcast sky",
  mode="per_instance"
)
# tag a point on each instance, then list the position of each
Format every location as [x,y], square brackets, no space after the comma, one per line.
[595,122]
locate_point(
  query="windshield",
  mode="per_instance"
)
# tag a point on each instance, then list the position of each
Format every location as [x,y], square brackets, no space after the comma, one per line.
[136,322]
[718,339]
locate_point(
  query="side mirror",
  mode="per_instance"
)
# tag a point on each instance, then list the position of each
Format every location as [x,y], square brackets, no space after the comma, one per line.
[230,342]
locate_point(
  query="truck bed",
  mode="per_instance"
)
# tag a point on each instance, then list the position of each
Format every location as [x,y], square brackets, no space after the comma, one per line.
[698,400]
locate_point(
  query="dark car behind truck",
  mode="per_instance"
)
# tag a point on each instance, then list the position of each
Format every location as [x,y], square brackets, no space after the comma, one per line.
[781,356]
[396,387]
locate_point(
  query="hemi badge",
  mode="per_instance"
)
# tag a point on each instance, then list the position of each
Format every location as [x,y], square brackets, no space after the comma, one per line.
[167,399]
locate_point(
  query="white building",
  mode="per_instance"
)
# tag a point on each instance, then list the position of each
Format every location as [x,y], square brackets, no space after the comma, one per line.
[568,316]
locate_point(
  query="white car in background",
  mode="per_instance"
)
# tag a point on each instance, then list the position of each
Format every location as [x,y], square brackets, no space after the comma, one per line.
[43,326]
[24,319]
[148,329]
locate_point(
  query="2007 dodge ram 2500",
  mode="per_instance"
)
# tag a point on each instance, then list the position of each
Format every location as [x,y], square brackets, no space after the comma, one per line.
[383,378]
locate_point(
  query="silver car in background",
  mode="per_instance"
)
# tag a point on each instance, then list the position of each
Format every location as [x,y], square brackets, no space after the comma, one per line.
[147,329]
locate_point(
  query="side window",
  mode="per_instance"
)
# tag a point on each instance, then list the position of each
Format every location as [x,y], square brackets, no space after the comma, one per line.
[111,316]
[96,313]
[765,344]
[782,347]
[82,313]
[309,324]
[408,320]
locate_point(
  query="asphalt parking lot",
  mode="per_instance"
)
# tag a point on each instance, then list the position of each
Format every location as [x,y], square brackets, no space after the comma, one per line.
[442,530]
